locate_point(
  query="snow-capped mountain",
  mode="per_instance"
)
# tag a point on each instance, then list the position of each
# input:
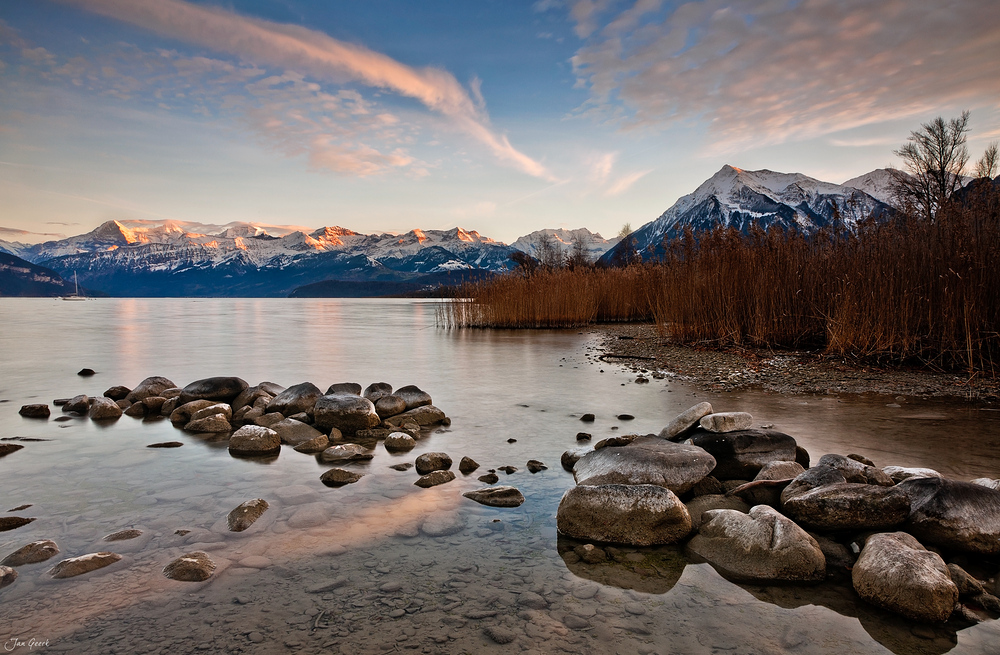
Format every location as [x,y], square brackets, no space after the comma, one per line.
[878,184]
[594,244]
[737,198]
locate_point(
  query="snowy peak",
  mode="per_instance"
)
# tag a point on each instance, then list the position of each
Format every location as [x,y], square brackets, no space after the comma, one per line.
[878,184]
[594,244]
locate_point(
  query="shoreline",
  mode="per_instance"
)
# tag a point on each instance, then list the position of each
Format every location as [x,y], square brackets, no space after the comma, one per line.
[639,348]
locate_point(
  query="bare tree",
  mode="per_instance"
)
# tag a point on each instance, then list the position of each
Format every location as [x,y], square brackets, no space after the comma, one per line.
[935,157]
[986,168]
[578,257]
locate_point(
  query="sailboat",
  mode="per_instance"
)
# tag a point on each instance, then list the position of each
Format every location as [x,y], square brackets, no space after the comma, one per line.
[76,294]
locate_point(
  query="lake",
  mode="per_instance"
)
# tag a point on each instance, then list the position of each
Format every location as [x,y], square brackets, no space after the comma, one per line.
[382,565]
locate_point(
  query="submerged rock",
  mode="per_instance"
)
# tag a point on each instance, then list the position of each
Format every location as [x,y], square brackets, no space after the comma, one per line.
[36,551]
[39,410]
[246,514]
[348,452]
[646,460]
[190,567]
[123,535]
[339,477]
[685,421]
[640,515]
[497,496]
[434,478]
[74,566]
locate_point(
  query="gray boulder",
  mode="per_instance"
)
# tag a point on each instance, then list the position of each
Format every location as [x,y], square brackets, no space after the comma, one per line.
[104,409]
[387,406]
[762,545]
[812,478]
[726,421]
[897,573]
[497,496]
[219,389]
[296,398]
[423,416]
[399,442]
[36,551]
[413,396]
[849,506]
[190,567]
[345,412]
[428,462]
[639,515]
[339,477]
[37,410]
[350,388]
[685,421]
[74,566]
[246,514]
[646,460]
[254,441]
[348,452]
[151,386]
[434,478]
[740,455]
[952,514]
[294,432]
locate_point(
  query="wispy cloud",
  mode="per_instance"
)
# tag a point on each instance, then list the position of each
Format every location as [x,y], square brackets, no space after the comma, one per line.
[625,182]
[318,55]
[773,71]
[13,233]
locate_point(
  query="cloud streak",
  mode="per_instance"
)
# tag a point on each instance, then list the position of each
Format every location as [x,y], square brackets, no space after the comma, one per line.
[769,71]
[316,54]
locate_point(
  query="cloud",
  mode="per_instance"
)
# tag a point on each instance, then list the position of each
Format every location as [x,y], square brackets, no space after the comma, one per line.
[600,166]
[585,13]
[625,182]
[770,71]
[316,54]
[14,232]
[864,142]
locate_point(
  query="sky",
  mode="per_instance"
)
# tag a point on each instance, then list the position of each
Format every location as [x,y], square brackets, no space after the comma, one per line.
[500,116]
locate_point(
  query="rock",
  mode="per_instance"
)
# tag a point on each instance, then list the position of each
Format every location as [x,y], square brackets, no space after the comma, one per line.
[432,462]
[499,634]
[268,420]
[254,441]
[760,492]
[123,535]
[697,507]
[707,486]
[837,555]
[169,406]
[625,417]
[166,444]
[646,460]
[741,454]
[802,457]
[497,496]
[534,466]
[374,434]
[898,574]
[761,546]
[726,421]
[532,600]
[377,390]
[13,522]
[339,477]
[224,389]
[296,398]
[404,466]
[387,406]
[213,409]
[583,436]
[36,551]
[79,403]
[952,514]
[422,416]
[152,386]
[123,404]
[172,392]
[74,566]
[215,423]
[489,478]
[965,583]
[345,412]
[294,432]
[182,414]
[86,372]
[434,478]
[855,470]
[987,482]
[588,418]
[244,516]
[614,442]
[860,458]
[849,506]
[350,388]
[7,576]
[117,392]
[813,478]
[590,554]
[780,471]
[302,417]
[104,409]
[190,567]
[135,410]
[640,515]
[313,446]
[413,397]
[467,465]
[251,395]
[39,410]
[572,456]
[399,442]
[685,421]
[8,448]
[507,469]
[348,452]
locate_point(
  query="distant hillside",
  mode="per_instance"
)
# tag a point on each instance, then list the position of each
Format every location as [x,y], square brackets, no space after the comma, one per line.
[435,285]
[22,278]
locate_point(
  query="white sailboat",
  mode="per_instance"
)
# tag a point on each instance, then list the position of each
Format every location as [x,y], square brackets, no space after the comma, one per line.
[76,294]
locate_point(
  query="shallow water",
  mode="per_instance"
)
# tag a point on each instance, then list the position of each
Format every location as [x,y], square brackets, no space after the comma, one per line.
[393,586]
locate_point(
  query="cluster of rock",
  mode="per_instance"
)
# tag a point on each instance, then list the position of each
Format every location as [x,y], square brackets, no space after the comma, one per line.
[747,501]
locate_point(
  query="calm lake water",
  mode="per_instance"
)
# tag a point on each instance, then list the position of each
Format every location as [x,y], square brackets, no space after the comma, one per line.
[356,569]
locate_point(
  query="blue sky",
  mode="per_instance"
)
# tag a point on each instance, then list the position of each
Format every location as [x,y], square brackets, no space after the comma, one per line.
[500,116]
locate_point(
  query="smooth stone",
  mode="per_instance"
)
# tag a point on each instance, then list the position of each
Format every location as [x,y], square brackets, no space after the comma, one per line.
[900,473]
[190,567]
[780,471]
[123,535]
[404,466]
[117,392]
[614,442]
[309,516]
[243,516]
[7,576]
[697,507]
[249,396]
[588,418]
[268,420]
[428,462]
[8,448]
[952,514]
[224,389]
[13,522]
[296,398]
[348,452]
[583,436]
[254,440]
[499,634]
[467,465]
[212,410]
[350,388]
[166,444]
[489,478]
[377,390]
[741,454]
[987,482]
[413,396]
[339,477]
[849,506]
[572,456]
[169,406]
[685,421]
[183,413]
[75,566]
[534,466]
[38,410]
[80,403]
[297,494]
[760,492]
[639,515]
[591,554]
[387,406]
[294,432]
[135,410]
[104,409]
[36,551]
[434,478]
[151,386]
[399,442]
[726,421]
[497,496]
[761,545]
[347,413]
[423,415]
[898,574]
[646,460]
[854,470]
[812,478]
[313,446]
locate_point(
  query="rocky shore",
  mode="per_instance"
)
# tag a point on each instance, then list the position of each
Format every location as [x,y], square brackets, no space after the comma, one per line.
[640,348]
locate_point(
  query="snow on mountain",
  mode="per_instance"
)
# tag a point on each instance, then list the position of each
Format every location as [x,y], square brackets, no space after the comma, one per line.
[738,198]
[594,244]
[878,184]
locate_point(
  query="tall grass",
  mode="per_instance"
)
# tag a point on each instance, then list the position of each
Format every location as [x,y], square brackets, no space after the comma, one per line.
[905,291]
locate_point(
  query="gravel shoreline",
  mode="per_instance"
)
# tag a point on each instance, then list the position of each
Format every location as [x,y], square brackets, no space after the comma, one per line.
[639,348]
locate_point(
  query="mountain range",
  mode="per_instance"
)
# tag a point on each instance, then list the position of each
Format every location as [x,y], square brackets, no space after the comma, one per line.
[165,258]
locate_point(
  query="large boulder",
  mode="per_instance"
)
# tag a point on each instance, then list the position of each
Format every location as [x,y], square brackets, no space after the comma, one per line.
[646,460]
[224,389]
[685,421]
[246,514]
[104,409]
[897,573]
[428,462]
[423,415]
[152,386]
[741,454]
[639,515]
[812,478]
[347,413]
[294,432]
[952,514]
[296,398]
[762,546]
[413,396]
[496,496]
[856,471]
[74,566]
[36,551]
[254,441]
[849,506]
[190,567]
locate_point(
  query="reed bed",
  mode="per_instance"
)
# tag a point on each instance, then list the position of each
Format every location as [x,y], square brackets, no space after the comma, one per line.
[905,291]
